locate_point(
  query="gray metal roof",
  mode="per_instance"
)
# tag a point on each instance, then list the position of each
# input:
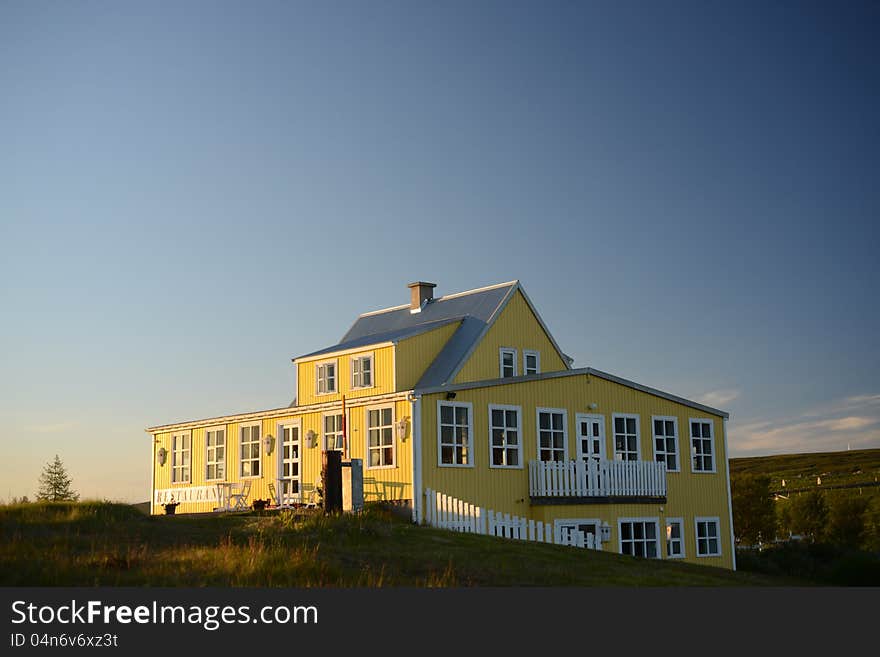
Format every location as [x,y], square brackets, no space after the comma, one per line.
[476,309]
[376,338]
[479,304]
[583,371]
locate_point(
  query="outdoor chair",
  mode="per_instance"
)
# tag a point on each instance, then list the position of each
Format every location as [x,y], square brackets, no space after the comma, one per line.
[239,498]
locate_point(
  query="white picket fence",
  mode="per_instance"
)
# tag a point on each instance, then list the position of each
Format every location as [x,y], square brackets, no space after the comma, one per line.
[597,478]
[447,512]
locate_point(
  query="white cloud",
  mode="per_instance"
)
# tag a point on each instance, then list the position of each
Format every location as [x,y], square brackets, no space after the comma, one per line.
[718,398]
[852,422]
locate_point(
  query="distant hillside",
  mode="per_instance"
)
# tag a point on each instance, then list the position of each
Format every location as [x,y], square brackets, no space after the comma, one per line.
[143,507]
[833,469]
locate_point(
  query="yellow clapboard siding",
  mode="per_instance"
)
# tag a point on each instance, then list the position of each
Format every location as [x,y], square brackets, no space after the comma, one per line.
[415,354]
[387,484]
[516,327]
[507,490]
[383,376]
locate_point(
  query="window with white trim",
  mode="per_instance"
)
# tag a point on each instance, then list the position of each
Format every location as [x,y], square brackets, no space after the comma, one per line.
[703,457]
[250,451]
[666,441]
[708,537]
[362,371]
[325,374]
[552,434]
[333,432]
[215,454]
[638,537]
[531,362]
[181,445]
[380,437]
[626,437]
[455,433]
[505,440]
[674,538]
[565,527]
[507,358]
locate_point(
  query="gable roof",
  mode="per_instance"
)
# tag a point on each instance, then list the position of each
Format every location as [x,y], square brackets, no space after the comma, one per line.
[392,336]
[476,309]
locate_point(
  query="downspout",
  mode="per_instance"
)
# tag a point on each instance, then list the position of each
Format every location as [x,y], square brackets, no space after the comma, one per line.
[152,472]
[729,503]
[416,405]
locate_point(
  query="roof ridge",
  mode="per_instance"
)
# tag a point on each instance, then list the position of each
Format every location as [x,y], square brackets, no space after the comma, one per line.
[445,297]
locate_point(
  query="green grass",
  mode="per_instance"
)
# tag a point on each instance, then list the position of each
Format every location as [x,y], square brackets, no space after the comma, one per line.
[86,544]
[802,470]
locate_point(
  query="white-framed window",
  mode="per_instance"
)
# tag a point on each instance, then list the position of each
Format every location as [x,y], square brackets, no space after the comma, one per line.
[565,527]
[675,538]
[531,362]
[250,451]
[639,537]
[626,436]
[552,434]
[507,362]
[325,377]
[708,536]
[362,371]
[333,432]
[665,430]
[455,433]
[505,436]
[702,452]
[215,453]
[380,437]
[181,449]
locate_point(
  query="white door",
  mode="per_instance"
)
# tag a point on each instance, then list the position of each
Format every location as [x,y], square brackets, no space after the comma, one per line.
[590,436]
[289,461]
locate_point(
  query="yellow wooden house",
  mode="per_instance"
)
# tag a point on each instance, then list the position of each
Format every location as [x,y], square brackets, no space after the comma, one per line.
[468,398]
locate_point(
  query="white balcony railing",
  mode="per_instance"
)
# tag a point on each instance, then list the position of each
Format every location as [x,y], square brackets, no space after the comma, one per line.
[597,478]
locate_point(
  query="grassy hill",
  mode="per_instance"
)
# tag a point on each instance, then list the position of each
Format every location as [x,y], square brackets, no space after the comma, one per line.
[861,466]
[106,544]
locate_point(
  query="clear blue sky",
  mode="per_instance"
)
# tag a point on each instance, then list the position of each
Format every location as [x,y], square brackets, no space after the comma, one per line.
[193,193]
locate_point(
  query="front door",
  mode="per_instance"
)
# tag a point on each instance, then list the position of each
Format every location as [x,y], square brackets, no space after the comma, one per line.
[289,463]
[590,436]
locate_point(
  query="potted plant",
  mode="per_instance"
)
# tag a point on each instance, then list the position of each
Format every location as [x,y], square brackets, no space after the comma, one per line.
[170,507]
[259,505]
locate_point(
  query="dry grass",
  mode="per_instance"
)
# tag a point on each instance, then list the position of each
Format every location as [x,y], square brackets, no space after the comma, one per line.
[114,545]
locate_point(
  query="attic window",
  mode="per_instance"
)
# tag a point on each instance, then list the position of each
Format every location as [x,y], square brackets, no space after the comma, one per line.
[325,374]
[507,362]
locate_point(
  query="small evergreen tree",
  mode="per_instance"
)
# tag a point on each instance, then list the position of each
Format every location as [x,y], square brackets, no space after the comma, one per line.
[55,484]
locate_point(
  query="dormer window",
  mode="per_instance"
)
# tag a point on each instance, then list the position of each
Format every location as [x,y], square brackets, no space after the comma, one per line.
[362,371]
[326,377]
[508,362]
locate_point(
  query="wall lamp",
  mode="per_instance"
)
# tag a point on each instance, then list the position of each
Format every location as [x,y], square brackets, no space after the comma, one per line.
[450,395]
[161,455]
[268,443]
[312,438]
[400,428]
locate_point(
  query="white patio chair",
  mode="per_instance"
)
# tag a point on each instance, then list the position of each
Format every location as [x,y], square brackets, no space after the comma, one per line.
[238,499]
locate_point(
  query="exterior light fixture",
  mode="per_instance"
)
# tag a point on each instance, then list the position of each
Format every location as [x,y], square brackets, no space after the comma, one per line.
[400,428]
[161,455]
[312,438]
[268,443]
[450,395]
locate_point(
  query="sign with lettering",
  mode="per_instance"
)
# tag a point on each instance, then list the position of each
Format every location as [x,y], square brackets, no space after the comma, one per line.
[187,494]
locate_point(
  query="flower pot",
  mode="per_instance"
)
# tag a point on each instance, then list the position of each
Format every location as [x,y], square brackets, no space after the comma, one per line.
[170,509]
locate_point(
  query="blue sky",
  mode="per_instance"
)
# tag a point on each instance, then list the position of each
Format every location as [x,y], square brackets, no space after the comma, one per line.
[193,193]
